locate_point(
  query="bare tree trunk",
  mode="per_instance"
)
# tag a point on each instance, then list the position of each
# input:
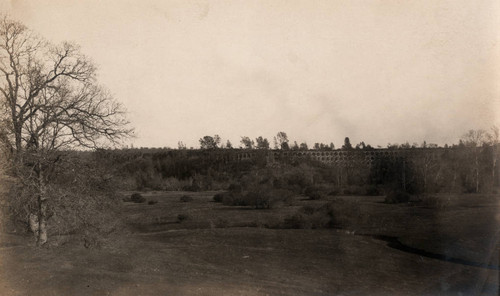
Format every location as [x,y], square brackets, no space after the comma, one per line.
[42,211]
[404,176]
[477,174]
[494,168]
[454,183]
[42,222]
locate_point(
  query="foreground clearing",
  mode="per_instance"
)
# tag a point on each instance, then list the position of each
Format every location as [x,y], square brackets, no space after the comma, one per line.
[159,256]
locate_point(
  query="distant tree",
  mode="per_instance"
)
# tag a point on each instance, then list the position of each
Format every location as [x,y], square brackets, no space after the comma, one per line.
[295,146]
[262,143]
[181,145]
[282,140]
[405,146]
[323,147]
[347,144]
[303,146]
[217,140]
[494,139]
[229,145]
[425,165]
[247,142]
[361,145]
[208,142]
[474,140]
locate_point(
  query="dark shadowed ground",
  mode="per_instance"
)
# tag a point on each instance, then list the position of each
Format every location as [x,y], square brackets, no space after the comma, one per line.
[220,250]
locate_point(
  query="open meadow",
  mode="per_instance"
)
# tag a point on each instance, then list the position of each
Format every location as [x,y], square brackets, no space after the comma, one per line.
[200,247]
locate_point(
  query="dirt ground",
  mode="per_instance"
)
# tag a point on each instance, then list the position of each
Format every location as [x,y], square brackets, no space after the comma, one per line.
[220,250]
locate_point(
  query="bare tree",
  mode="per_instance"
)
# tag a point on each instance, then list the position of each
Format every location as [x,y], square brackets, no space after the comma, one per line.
[50,103]
[493,138]
[474,141]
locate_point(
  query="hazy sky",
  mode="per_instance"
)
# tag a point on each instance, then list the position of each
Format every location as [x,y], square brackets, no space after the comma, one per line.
[376,71]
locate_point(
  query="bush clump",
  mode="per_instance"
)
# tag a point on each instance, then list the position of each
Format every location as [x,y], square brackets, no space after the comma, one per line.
[193,187]
[338,213]
[309,217]
[261,197]
[137,198]
[268,198]
[297,221]
[235,188]
[372,190]
[219,197]
[152,202]
[234,199]
[397,197]
[314,193]
[186,198]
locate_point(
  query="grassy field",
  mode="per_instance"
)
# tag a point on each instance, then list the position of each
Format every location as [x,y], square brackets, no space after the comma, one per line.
[383,249]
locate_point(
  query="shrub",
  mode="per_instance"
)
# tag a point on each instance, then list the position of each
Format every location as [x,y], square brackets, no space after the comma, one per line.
[194,187]
[235,188]
[309,217]
[297,221]
[234,199]
[344,213]
[260,196]
[333,193]
[347,192]
[372,190]
[182,217]
[266,198]
[297,179]
[282,196]
[137,198]
[397,197]
[152,202]
[314,193]
[186,198]
[218,197]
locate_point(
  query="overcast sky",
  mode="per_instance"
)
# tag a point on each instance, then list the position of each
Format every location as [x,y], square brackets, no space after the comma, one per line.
[375,71]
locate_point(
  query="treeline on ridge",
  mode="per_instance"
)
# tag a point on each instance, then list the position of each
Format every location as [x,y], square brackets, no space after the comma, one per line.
[470,166]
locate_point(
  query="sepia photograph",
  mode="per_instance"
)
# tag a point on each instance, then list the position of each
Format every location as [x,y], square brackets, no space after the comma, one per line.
[257,147]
